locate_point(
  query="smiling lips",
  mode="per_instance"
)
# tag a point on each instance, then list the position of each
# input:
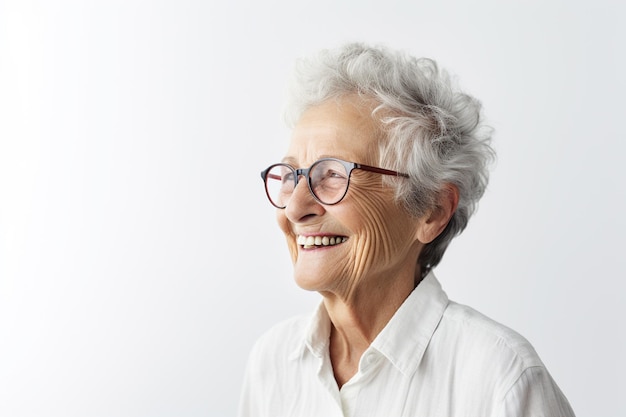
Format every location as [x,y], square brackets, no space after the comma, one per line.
[308,242]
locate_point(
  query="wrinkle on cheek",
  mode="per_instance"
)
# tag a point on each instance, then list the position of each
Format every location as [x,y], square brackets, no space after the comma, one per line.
[381,239]
[375,238]
[346,283]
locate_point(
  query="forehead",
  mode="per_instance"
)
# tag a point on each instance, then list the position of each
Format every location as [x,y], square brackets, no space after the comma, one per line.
[342,128]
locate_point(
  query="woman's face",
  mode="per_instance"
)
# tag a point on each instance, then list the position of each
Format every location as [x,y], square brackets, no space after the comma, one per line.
[378,237]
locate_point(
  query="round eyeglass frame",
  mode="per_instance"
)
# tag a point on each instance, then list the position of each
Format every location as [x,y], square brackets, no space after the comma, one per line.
[349,166]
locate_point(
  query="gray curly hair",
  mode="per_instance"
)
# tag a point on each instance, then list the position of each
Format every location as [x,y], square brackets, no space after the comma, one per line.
[434,132]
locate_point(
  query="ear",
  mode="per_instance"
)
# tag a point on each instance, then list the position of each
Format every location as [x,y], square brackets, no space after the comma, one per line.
[437,219]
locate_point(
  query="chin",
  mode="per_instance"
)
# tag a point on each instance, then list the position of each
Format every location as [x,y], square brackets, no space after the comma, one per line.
[310,282]
[307,283]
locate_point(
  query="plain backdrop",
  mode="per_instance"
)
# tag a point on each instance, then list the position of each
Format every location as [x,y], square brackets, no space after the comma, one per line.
[139,258]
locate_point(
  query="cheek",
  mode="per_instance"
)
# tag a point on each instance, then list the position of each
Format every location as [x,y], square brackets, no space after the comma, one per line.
[384,230]
[282,221]
[285,226]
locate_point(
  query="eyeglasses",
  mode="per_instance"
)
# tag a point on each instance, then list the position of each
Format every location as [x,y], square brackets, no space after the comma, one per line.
[328,180]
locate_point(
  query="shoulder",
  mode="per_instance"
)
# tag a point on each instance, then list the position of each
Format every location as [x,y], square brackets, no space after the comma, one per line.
[486,355]
[269,372]
[485,364]
[474,329]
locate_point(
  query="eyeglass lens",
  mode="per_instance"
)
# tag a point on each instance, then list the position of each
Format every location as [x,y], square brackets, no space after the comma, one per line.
[328,180]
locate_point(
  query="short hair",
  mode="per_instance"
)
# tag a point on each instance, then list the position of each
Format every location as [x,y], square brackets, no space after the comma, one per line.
[434,132]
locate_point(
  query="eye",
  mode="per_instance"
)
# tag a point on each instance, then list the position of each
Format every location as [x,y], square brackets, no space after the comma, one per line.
[328,175]
[330,179]
[287,176]
[335,174]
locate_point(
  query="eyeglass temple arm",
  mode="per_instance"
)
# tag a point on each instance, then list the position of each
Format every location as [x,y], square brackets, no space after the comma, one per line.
[381,170]
[265,174]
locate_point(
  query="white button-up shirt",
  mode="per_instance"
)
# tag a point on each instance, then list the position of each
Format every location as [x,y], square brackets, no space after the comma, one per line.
[434,358]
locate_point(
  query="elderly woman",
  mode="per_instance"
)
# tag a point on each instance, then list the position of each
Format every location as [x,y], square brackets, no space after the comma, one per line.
[386,164]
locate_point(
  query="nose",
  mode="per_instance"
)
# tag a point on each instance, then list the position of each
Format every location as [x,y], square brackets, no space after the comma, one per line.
[302,205]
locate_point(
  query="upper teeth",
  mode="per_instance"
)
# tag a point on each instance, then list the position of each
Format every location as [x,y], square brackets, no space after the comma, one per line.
[310,241]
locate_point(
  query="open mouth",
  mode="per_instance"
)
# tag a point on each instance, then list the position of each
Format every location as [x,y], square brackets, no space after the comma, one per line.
[309,242]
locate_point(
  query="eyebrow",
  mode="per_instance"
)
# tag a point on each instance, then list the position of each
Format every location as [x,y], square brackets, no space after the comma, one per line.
[292,161]
[288,160]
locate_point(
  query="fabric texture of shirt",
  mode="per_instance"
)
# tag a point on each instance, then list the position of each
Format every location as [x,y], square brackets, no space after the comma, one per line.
[434,358]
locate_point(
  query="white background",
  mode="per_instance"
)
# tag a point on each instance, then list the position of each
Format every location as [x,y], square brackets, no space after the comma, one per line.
[139,259]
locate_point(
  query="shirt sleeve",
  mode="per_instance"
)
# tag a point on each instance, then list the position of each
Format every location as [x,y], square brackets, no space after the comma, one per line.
[248,403]
[534,394]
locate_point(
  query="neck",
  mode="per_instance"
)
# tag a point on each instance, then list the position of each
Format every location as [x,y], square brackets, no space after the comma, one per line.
[359,317]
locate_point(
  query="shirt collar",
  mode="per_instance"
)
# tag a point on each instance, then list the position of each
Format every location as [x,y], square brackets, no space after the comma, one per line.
[316,335]
[403,340]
